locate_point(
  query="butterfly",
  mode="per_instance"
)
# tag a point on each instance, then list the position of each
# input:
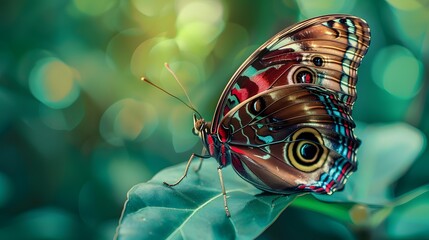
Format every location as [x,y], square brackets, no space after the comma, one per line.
[284,120]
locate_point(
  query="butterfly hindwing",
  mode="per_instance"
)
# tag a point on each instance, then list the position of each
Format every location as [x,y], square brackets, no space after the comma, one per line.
[291,138]
[324,51]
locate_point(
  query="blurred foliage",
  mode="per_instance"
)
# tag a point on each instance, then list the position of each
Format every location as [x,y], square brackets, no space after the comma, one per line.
[78,128]
[194,209]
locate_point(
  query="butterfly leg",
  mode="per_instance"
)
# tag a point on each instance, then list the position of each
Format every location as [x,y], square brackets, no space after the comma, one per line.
[203,153]
[186,169]
[219,170]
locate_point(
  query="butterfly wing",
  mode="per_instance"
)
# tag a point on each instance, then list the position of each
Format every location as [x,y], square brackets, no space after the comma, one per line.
[292,138]
[325,51]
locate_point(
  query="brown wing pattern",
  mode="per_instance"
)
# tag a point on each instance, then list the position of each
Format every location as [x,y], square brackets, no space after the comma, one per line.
[324,51]
[290,137]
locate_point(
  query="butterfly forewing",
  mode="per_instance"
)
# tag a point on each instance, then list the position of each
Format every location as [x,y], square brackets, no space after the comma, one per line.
[292,138]
[325,51]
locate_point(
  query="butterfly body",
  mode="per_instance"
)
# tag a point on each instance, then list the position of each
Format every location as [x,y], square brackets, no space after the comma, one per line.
[284,120]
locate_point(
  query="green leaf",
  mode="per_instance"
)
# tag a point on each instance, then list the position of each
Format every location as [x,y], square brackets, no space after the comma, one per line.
[361,214]
[411,220]
[194,208]
[404,201]
[336,211]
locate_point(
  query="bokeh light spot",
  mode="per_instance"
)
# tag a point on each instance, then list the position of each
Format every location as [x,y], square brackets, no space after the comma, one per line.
[117,171]
[359,213]
[200,11]
[316,8]
[128,120]
[405,5]
[62,119]
[397,71]
[409,23]
[187,73]
[125,173]
[195,37]
[199,23]
[149,57]
[52,82]
[94,7]
[150,8]
[121,47]
[47,223]
[182,137]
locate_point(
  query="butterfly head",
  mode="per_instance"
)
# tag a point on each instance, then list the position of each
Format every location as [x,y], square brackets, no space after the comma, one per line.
[201,127]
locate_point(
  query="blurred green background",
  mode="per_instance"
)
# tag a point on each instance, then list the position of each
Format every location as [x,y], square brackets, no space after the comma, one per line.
[78,128]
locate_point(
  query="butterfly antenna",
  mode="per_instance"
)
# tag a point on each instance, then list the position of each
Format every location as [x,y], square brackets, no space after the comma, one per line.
[190,106]
[180,84]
